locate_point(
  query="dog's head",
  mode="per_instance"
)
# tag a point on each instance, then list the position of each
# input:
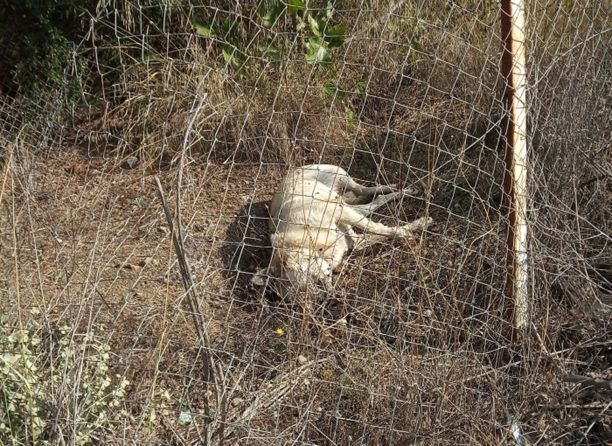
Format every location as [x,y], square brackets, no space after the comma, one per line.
[295,271]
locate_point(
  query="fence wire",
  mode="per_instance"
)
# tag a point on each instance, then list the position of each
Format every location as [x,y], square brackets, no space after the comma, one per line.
[413,345]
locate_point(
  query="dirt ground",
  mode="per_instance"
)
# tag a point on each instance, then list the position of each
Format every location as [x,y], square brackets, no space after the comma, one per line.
[411,348]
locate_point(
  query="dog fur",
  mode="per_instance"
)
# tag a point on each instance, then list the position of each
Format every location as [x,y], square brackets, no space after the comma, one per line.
[313,214]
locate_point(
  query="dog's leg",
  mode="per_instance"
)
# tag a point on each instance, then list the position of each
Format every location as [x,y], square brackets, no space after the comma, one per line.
[352,217]
[360,194]
[363,241]
[367,209]
[340,181]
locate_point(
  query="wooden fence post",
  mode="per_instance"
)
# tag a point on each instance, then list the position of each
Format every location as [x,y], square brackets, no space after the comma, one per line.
[515,180]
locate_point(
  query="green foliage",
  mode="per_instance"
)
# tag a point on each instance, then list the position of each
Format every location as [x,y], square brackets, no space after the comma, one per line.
[334,35]
[317,51]
[240,45]
[63,378]
[202,29]
[334,92]
[37,44]
[233,56]
[295,6]
[270,12]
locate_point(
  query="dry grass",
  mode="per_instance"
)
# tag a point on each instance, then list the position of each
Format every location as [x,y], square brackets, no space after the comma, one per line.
[413,347]
[279,111]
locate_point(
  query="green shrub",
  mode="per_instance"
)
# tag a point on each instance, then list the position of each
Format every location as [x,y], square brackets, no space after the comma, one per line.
[56,389]
[37,45]
[240,43]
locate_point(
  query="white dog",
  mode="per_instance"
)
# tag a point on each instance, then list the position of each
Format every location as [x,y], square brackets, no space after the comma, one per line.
[313,215]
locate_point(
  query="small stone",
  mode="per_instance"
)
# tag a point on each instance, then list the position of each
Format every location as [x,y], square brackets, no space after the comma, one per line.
[237,401]
[302,359]
[342,321]
[132,267]
[131,162]
[185,417]
[427,313]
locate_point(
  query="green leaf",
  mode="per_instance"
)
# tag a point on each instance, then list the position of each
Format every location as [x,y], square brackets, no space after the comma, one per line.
[350,116]
[361,89]
[233,56]
[317,52]
[268,49]
[294,6]
[316,25]
[271,12]
[329,10]
[415,51]
[228,27]
[335,35]
[301,24]
[334,92]
[202,29]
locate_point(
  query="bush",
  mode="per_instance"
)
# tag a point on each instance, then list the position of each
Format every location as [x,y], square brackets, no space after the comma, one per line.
[56,389]
[37,44]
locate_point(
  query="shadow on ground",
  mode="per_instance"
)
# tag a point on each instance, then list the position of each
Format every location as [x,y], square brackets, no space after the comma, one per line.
[246,247]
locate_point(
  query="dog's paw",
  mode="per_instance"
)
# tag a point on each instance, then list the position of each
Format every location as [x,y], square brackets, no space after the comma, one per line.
[416,225]
[405,231]
[423,222]
[410,192]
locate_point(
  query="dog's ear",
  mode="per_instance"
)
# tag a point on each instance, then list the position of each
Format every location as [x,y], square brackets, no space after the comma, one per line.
[262,275]
[259,278]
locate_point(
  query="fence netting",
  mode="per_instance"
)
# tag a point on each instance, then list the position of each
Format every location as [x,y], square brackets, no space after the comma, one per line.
[413,345]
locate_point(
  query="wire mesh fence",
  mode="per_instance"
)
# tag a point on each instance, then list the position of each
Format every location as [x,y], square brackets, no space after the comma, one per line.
[109,339]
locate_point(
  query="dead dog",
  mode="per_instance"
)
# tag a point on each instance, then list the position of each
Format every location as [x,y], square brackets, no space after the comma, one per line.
[313,214]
